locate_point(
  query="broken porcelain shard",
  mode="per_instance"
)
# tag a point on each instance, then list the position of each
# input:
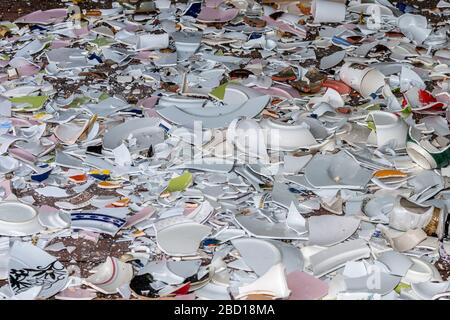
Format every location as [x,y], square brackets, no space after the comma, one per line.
[191,234]
[109,276]
[29,267]
[225,150]
[18,219]
[389,130]
[362,78]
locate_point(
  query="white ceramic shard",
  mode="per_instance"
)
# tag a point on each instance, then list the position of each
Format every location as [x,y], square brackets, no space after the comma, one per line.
[202,213]
[212,164]
[18,219]
[258,254]
[122,155]
[328,11]
[44,17]
[291,256]
[69,133]
[152,41]
[427,290]
[214,117]
[410,79]
[397,263]
[96,222]
[336,256]
[282,196]
[293,165]
[336,171]
[186,43]
[284,137]
[184,269]
[295,220]
[30,266]
[75,293]
[332,60]
[264,82]
[213,292]
[160,272]
[52,191]
[379,207]
[390,129]
[180,102]
[68,58]
[110,275]
[8,164]
[362,78]
[248,137]
[365,8]
[272,283]
[29,294]
[421,271]
[414,27]
[328,230]
[182,239]
[237,95]
[376,282]
[260,227]
[328,103]
[407,215]
[53,218]
[107,107]
[146,131]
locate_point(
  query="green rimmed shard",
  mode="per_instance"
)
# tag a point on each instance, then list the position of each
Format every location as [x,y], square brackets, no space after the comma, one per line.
[401,286]
[29,103]
[79,101]
[219,91]
[102,42]
[180,183]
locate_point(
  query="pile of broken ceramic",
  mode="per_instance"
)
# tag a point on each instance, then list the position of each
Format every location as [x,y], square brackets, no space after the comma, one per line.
[249,168]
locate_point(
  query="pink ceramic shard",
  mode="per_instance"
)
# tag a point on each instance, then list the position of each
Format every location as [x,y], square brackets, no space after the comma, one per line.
[22,154]
[56,44]
[143,55]
[217,15]
[148,103]
[23,123]
[305,286]
[280,91]
[6,185]
[149,106]
[24,67]
[89,235]
[143,214]
[81,32]
[76,293]
[44,17]
[284,27]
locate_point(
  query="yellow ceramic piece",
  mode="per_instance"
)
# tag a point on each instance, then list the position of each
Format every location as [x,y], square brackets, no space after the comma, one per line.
[109,185]
[389,174]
